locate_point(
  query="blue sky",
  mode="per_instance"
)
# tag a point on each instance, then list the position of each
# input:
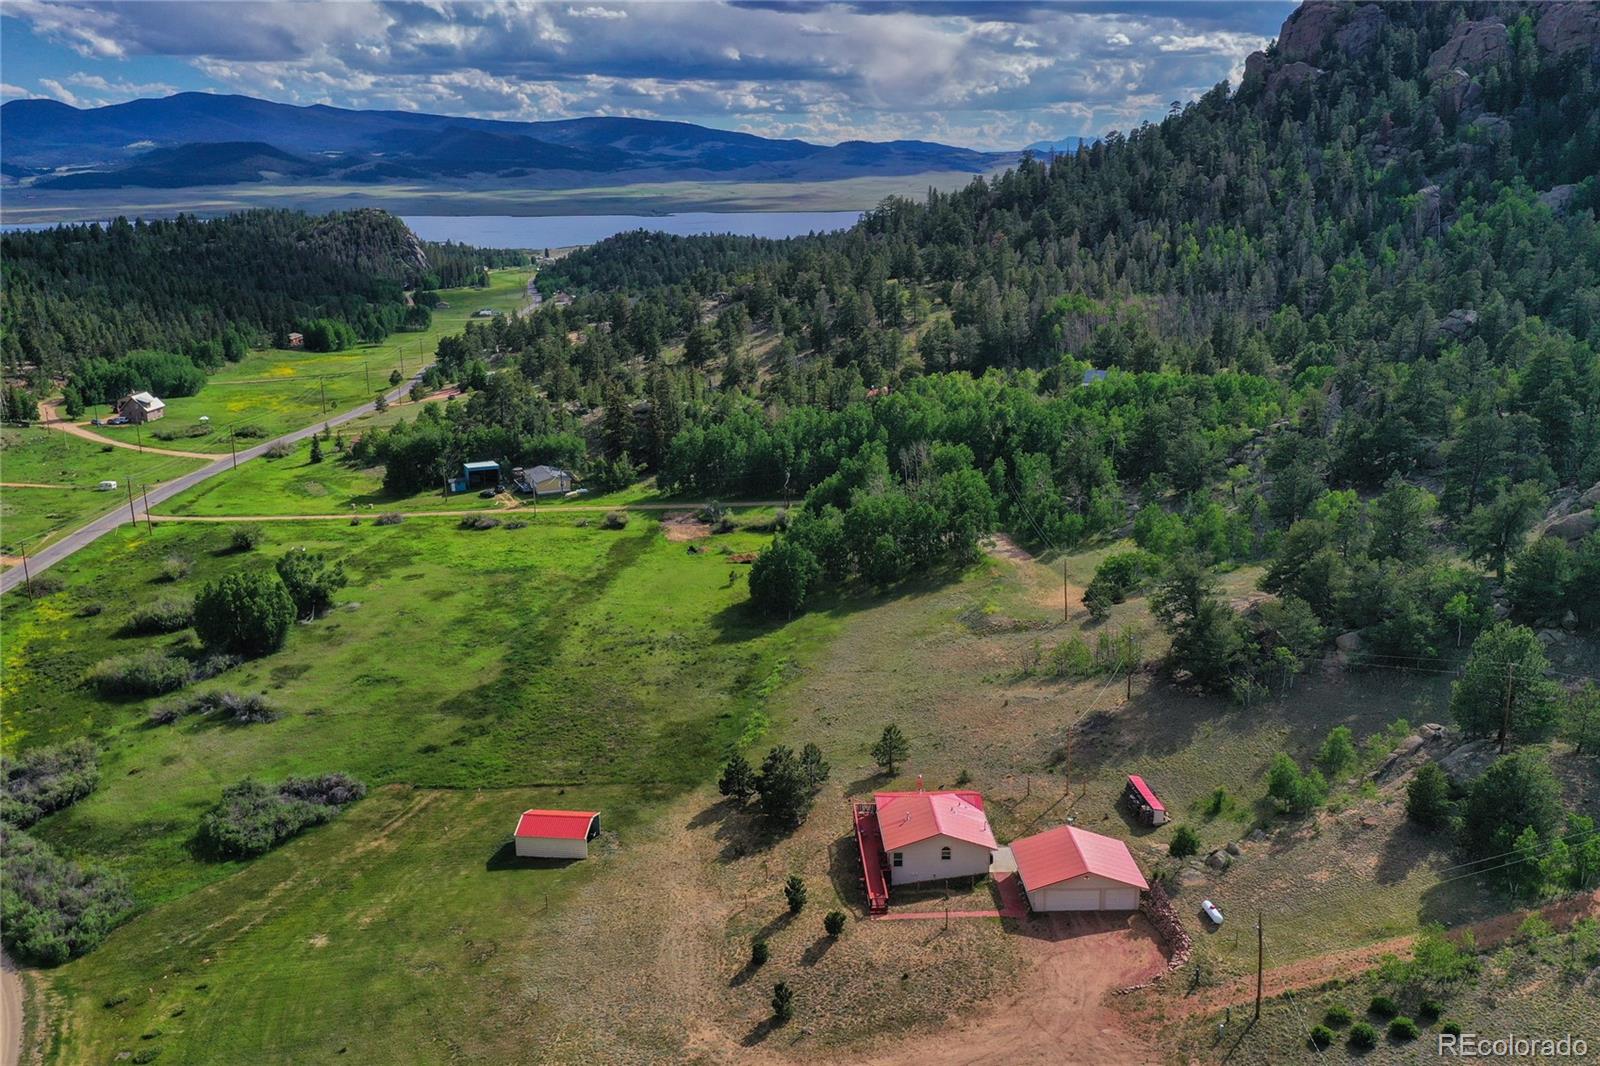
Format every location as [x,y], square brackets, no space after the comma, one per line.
[984,75]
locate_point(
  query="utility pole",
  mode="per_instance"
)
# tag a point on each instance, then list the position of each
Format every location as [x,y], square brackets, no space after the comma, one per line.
[144,491]
[1066,604]
[1505,721]
[27,578]
[365,369]
[138,431]
[1261,957]
[322,383]
[132,515]
[233,443]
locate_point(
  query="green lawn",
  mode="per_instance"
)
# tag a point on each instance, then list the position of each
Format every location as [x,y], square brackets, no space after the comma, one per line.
[614,665]
[279,391]
[30,517]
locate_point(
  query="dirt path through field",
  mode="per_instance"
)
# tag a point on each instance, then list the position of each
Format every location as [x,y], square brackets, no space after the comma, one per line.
[32,485]
[10,1013]
[51,419]
[345,516]
[1308,973]
[1045,585]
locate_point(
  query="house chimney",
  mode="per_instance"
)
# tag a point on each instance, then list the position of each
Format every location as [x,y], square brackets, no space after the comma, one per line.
[919,782]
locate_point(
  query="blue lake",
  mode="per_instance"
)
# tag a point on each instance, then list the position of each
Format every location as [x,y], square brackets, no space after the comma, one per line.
[561,231]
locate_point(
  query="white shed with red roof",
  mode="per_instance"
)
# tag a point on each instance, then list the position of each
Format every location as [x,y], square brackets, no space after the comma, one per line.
[556,834]
[933,835]
[1072,869]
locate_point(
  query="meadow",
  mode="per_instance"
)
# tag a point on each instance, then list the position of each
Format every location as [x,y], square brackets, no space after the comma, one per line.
[71,468]
[277,391]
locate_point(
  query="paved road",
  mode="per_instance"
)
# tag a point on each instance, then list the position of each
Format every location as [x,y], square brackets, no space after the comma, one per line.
[98,528]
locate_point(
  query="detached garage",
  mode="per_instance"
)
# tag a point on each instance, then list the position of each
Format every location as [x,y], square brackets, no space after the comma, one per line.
[1071,869]
[556,834]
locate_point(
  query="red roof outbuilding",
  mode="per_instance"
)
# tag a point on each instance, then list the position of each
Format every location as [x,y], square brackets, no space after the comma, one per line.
[556,825]
[1145,793]
[907,817]
[1066,851]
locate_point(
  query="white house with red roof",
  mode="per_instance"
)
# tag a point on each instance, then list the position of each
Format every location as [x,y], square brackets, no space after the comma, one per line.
[1072,869]
[933,835]
[556,834]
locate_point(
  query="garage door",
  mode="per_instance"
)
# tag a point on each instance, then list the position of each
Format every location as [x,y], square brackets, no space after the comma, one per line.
[1074,899]
[1122,899]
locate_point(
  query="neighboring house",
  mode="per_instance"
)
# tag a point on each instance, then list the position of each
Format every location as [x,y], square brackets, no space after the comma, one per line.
[1072,869]
[556,834]
[1142,799]
[141,407]
[297,340]
[484,474]
[562,299]
[542,480]
[932,835]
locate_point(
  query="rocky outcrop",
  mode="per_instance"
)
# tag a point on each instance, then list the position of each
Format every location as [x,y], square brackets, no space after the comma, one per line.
[1290,76]
[1559,199]
[1572,527]
[1163,917]
[1474,46]
[1458,324]
[1565,27]
[1458,92]
[1308,30]
[1360,35]
[1591,496]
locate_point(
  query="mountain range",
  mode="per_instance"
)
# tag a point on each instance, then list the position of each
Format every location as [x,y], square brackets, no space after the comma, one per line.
[193,139]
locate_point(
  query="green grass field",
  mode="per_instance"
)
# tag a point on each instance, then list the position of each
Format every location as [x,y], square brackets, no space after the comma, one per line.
[280,391]
[31,517]
[555,663]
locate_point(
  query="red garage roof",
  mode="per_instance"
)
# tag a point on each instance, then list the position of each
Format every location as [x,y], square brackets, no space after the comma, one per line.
[556,825]
[1144,792]
[1065,852]
[907,817]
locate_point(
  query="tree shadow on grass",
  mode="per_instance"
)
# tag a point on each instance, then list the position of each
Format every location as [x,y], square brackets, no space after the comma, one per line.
[817,951]
[760,1032]
[506,858]
[738,622]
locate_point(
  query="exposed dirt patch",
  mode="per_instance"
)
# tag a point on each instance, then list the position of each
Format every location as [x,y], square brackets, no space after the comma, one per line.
[684,527]
[1001,546]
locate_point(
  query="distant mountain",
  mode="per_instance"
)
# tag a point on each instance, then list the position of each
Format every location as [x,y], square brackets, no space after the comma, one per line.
[1063,146]
[205,139]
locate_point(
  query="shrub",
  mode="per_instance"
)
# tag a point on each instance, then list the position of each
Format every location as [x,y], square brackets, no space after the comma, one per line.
[758,952]
[615,520]
[241,709]
[279,450]
[52,908]
[311,581]
[1428,796]
[1295,791]
[1363,1035]
[794,892]
[479,521]
[783,576]
[42,780]
[1403,1028]
[1185,842]
[147,673]
[1338,1015]
[253,818]
[1383,1007]
[390,518]
[249,431]
[1321,1036]
[245,538]
[175,568]
[1430,1009]
[166,615]
[212,665]
[1450,1028]
[244,613]
[738,780]
[45,585]
[833,923]
[723,525]
[782,1002]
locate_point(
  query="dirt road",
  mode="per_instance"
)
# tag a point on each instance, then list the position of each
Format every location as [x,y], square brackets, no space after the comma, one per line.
[10,1013]
[51,419]
[564,508]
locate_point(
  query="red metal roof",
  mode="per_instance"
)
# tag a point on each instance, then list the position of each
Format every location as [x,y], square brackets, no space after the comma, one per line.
[1066,851]
[907,817]
[1144,792]
[556,825]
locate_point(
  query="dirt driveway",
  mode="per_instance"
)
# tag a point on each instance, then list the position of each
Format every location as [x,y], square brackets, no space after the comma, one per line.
[50,418]
[1062,1014]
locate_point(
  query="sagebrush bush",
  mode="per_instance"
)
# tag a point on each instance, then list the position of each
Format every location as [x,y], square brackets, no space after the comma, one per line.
[615,520]
[175,568]
[1383,1007]
[241,709]
[166,615]
[479,521]
[147,673]
[1321,1036]
[53,909]
[42,780]
[1403,1028]
[1338,1014]
[389,518]
[1450,1028]
[1363,1035]
[1430,1009]
[252,818]
[279,450]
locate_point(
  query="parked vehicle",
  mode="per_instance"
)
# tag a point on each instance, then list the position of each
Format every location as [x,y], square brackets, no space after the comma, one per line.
[488,494]
[106,486]
[1212,912]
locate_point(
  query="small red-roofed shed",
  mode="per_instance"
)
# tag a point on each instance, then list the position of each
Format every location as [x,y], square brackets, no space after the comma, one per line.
[556,834]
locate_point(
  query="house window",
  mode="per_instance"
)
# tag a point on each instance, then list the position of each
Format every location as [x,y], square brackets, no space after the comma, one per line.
[944,853]
[899,858]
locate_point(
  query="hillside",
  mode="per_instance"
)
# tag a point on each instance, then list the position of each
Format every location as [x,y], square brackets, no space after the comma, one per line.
[116,141]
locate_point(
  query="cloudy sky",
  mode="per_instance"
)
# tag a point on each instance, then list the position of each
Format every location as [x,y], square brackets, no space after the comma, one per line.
[983,75]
